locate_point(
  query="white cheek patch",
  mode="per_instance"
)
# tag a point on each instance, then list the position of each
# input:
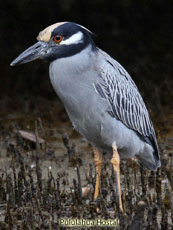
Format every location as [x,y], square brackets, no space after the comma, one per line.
[74,39]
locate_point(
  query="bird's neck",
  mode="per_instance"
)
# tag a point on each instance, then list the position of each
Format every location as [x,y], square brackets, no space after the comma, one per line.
[69,74]
[73,64]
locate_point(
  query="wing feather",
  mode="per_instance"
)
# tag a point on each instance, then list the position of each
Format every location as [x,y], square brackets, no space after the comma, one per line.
[125,102]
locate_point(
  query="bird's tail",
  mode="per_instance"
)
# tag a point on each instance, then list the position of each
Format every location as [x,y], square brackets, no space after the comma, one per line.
[150,165]
[151,160]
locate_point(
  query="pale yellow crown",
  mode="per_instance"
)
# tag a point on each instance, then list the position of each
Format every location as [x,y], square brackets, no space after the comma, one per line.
[45,34]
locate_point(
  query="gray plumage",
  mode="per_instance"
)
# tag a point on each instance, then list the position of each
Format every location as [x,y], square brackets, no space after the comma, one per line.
[126,103]
[99,96]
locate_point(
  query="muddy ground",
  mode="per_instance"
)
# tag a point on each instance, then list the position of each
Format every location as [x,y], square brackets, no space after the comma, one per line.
[43,182]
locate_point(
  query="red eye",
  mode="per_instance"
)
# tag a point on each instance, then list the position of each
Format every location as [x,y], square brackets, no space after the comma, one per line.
[57,38]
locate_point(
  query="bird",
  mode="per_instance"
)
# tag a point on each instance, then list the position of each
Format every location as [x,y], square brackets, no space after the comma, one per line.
[99,96]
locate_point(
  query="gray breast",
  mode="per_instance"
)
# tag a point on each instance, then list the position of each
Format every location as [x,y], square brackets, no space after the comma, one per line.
[75,87]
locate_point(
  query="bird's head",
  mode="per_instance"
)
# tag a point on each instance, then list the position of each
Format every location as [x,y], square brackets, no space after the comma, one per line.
[57,41]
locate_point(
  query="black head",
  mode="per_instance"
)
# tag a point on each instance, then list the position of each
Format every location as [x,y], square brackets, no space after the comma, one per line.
[57,41]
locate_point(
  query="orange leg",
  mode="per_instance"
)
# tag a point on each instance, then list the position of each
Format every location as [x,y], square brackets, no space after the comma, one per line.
[98,159]
[116,165]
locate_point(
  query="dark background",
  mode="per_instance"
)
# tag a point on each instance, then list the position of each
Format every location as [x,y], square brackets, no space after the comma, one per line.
[138,34]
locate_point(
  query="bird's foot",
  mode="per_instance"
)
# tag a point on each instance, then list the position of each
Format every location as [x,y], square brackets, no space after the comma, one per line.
[98,159]
[116,165]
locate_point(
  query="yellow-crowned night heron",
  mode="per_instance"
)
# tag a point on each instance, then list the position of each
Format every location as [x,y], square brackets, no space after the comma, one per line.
[99,96]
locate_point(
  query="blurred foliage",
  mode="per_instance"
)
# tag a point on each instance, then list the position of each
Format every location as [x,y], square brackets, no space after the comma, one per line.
[138,34]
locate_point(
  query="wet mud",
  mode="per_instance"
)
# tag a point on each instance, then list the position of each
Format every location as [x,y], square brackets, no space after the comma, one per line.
[43,180]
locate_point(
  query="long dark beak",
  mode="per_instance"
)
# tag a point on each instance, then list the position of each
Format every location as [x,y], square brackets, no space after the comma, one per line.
[37,51]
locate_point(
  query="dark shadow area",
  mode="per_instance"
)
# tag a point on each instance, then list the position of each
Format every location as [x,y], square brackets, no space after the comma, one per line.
[136,33]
